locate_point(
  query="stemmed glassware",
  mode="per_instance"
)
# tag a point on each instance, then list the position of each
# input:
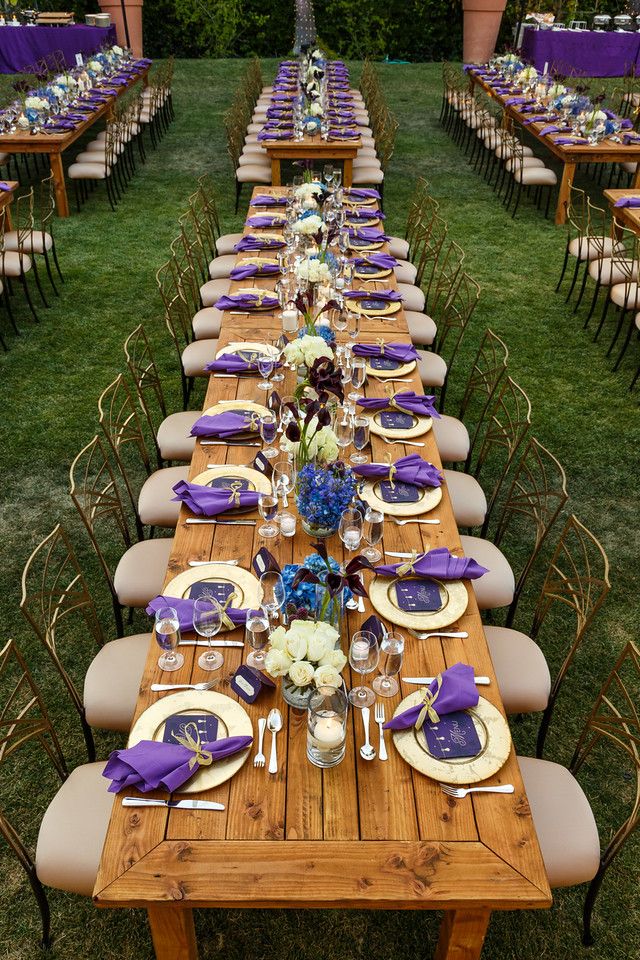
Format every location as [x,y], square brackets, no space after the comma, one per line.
[328,173]
[353,324]
[358,376]
[361,426]
[372,533]
[168,637]
[350,528]
[257,630]
[273,593]
[207,620]
[364,654]
[343,429]
[268,432]
[266,364]
[268,508]
[283,480]
[276,353]
[391,655]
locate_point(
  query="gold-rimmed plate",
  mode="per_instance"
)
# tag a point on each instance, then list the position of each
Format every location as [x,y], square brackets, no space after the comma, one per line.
[248,349]
[371,272]
[400,371]
[495,746]
[279,219]
[247,589]
[420,425]
[361,246]
[233,721]
[428,498]
[353,202]
[239,406]
[373,307]
[453,594]
[373,221]
[257,261]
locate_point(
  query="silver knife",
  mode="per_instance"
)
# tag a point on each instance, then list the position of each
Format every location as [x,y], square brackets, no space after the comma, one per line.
[181,804]
[206,563]
[421,681]
[395,553]
[224,523]
[228,443]
[214,643]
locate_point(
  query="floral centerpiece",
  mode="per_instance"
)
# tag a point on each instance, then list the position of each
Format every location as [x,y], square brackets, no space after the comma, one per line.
[334,586]
[323,493]
[308,225]
[311,193]
[301,598]
[308,435]
[305,655]
[306,349]
[314,326]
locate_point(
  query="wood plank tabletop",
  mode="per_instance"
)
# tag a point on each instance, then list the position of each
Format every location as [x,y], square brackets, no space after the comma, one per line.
[629,216]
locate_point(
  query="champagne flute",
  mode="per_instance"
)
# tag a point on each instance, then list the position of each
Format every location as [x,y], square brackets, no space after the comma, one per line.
[364,654]
[343,429]
[273,593]
[265,367]
[391,655]
[328,174]
[283,480]
[361,426]
[268,432]
[268,508]
[257,631]
[350,528]
[358,376]
[337,178]
[372,533]
[353,324]
[207,620]
[168,638]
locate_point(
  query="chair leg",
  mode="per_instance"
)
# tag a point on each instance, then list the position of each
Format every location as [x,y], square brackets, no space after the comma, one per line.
[564,267]
[623,314]
[589,903]
[583,285]
[596,294]
[576,271]
[36,277]
[515,206]
[27,293]
[47,264]
[238,192]
[7,303]
[109,187]
[627,340]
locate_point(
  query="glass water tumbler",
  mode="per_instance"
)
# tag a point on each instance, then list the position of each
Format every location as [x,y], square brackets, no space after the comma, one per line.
[326,726]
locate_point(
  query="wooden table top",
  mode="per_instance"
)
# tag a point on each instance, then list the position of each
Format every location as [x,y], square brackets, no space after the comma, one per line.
[360,835]
[627,215]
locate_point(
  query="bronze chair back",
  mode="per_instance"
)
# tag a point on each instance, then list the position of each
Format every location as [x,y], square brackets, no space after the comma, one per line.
[487,370]
[427,246]
[445,277]
[453,323]
[147,381]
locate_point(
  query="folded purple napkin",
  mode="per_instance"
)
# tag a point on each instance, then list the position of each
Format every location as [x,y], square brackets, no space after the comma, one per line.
[513,101]
[362,193]
[570,141]
[264,220]
[550,129]
[210,501]
[274,113]
[250,242]
[230,363]
[410,469]
[383,260]
[246,270]
[406,402]
[264,200]
[5,187]
[343,133]
[627,202]
[626,124]
[403,352]
[184,609]
[365,213]
[275,135]
[151,765]
[370,234]
[61,124]
[246,301]
[110,91]
[630,138]
[223,426]
[453,689]
[389,296]
[437,563]
[538,118]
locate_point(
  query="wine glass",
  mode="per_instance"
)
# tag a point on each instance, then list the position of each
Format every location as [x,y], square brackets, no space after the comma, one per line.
[350,528]
[328,173]
[257,630]
[353,324]
[286,414]
[273,593]
[344,240]
[266,364]
[340,319]
[268,432]
[268,507]
[276,353]
[391,655]
[168,638]
[361,425]
[283,480]
[337,178]
[358,376]
[343,429]
[207,620]
[364,654]
[372,533]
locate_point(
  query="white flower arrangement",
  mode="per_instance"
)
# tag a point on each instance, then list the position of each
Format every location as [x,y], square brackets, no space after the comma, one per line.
[507,58]
[315,110]
[117,50]
[307,226]
[313,270]
[528,74]
[309,190]
[306,653]
[36,103]
[57,91]
[95,66]
[557,90]
[321,444]
[305,350]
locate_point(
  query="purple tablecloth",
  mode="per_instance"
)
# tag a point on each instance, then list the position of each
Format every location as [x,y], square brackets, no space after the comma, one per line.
[589,53]
[22,46]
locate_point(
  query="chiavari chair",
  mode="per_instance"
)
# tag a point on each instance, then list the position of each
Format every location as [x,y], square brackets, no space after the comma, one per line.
[16,264]
[607,247]
[527,172]
[94,166]
[39,239]
[443,275]
[224,243]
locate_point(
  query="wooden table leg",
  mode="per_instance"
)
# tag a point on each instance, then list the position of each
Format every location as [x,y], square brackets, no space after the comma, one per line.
[173,932]
[568,173]
[347,173]
[636,178]
[462,934]
[62,203]
[275,173]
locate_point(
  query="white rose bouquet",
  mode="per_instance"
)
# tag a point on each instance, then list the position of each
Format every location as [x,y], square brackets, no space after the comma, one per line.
[312,190]
[315,109]
[36,103]
[305,350]
[320,444]
[313,270]
[306,654]
[95,66]
[308,226]
[117,50]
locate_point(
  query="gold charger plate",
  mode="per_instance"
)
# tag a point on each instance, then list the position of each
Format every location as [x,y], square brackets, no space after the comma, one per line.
[421,425]
[247,587]
[429,497]
[367,246]
[233,721]
[400,371]
[353,202]
[228,406]
[389,308]
[257,480]
[453,594]
[257,261]
[495,740]
[374,221]
[247,345]
[372,276]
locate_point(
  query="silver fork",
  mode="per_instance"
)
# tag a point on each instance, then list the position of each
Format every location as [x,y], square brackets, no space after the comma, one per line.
[460,792]
[407,443]
[425,636]
[184,686]
[380,718]
[258,760]
[402,523]
[391,379]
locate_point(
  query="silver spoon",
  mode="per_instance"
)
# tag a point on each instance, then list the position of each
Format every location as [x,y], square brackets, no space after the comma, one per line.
[274,723]
[407,443]
[367,752]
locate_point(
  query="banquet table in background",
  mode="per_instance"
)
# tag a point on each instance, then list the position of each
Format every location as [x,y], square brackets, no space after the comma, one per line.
[587,53]
[22,46]
[312,148]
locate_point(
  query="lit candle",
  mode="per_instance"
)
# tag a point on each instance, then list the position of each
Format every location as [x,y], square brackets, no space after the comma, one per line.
[360,650]
[328,733]
[289,321]
[287,524]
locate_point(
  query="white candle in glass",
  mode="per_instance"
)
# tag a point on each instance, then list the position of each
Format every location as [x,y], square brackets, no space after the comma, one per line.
[289,321]
[328,733]
[287,524]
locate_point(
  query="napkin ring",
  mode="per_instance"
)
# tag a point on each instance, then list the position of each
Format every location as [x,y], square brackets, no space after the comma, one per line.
[428,700]
[203,758]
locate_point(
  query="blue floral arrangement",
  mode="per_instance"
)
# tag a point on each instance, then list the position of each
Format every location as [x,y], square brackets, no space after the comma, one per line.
[314,122]
[324,492]
[303,597]
[323,331]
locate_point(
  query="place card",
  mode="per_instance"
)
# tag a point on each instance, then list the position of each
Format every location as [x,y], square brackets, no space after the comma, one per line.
[263,561]
[372,304]
[262,465]
[394,420]
[219,590]
[204,726]
[418,595]
[249,683]
[398,492]
[224,483]
[384,363]
[454,736]
[375,626]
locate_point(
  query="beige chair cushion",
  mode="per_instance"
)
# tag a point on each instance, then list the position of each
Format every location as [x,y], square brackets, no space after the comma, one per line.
[197,355]
[412,297]
[504,151]
[529,162]
[495,588]
[399,248]
[254,160]
[13,264]
[536,177]
[405,272]
[73,830]
[366,175]
[254,128]
[366,162]
[212,290]
[366,140]
[36,242]
[421,327]
[521,669]
[206,323]
[173,437]
[90,157]
[366,153]
[112,682]
[566,828]
[225,245]
[467,498]
[432,369]
[156,507]
[452,438]
[141,571]
[87,171]
[609,270]
[253,174]
[629,168]
[626,295]
[591,248]
[222,266]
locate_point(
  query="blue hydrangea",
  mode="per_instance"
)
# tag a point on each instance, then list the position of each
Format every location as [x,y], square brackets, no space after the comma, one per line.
[324,492]
[325,332]
[305,594]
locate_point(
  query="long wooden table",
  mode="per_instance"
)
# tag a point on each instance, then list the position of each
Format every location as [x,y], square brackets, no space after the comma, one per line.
[312,148]
[6,199]
[627,216]
[361,835]
[56,143]
[607,151]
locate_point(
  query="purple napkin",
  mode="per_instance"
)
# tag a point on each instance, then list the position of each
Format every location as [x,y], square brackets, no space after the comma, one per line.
[230,363]
[626,124]
[365,213]
[410,469]
[276,113]
[405,402]
[383,260]
[455,689]
[264,200]
[570,141]
[250,242]
[538,118]
[275,135]
[5,187]
[513,101]
[210,501]
[338,133]
[438,563]
[627,202]
[550,129]
[244,271]
[264,220]
[403,352]
[61,124]
[163,766]
[370,234]
[631,138]
[389,296]
[184,609]
[362,193]
[221,425]
[246,301]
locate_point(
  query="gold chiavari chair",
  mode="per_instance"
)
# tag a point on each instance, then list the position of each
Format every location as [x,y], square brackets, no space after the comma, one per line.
[527,172]
[73,829]
[605,246]
[94,166]
[224,243]
[38,239]
[16,264]
[563,816]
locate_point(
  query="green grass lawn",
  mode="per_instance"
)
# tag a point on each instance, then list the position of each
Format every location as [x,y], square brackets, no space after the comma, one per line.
[49,384]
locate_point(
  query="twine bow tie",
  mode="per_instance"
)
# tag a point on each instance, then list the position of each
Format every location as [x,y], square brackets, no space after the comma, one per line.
[226,619]
[428,710]
[392,472]
[204,758]
[234,492]
[409,566]
[380,342]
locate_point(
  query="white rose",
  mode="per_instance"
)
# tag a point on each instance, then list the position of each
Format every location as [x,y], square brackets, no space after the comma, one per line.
[95,66]
[315,110]
[117,50]
[324,446]
[335,659]
[277,638]
[301,673]
[293,352]
[318,645]
[327,676]
[309,203]
[296,644]
[277,663]
[311,127]
[556,90]
[600,115]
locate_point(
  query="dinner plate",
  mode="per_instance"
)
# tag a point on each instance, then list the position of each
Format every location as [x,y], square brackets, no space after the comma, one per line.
[372,307]
[370,272]
[353,202]
[400,371]
[233,721]
[363,245]
[248,350]
[247,587]
[238,406]
[420,425]
[359,222]
[256,292]
[223,476]
[495,745]
[453,593]
[428,498]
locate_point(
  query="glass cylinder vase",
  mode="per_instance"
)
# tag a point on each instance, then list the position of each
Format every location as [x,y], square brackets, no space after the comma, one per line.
[326,726]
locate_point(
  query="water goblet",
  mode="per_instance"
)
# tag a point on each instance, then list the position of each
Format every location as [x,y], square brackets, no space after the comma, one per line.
[273,593]
[353,324]
[350,528]
[372,533]
[207,620]
[283,480]
[340,319]
[364,654]
[344,240]
[343,429]
[361,425]
[276,353]
[358,376]
[337,178]
[327,173]
[257,631]
[168,637]
[391,655]
[266,364]
[268,432]
[268,508]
